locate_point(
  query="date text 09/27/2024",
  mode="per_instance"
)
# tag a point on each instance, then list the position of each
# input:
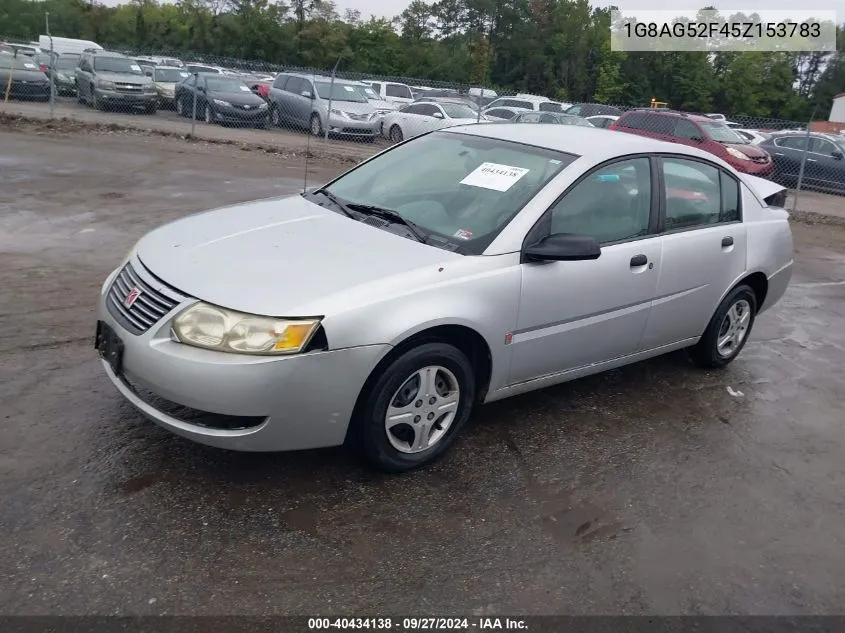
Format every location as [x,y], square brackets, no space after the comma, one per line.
[417,624]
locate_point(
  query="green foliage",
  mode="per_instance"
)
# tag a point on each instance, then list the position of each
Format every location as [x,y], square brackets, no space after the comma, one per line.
[559,48]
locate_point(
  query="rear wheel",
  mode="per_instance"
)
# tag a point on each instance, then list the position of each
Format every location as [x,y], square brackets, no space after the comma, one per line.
[728,330]
[396,134]
[275,116]
[180,106]
[415,408]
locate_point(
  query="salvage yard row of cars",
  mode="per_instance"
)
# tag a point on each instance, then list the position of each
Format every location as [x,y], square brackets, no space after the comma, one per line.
[369,109]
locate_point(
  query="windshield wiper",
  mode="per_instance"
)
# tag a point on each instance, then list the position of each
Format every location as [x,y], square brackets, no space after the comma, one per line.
[392,216]
[340,205]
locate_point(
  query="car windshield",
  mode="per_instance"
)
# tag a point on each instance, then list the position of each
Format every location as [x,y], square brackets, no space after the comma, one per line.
[67,63]
[460,187]
[458,111]
[722,133]
[171,75]
[225,84]
[369,93]
[340,92]
[117,65]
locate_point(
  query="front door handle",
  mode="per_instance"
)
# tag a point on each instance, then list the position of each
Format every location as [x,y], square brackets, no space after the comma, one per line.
[638,260]
[727,241]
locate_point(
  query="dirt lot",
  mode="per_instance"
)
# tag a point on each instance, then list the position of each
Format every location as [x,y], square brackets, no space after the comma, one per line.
[648,490]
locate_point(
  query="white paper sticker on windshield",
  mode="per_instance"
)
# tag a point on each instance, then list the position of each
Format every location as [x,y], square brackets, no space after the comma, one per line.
[349,89]
[28,65]
[183,74]
[245,88]
[494,176]
[135,67]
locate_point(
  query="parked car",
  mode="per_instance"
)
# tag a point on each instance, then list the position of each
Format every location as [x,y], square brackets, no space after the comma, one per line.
[65,45]
[459,99]
[202,69]
[221,100]
[306,100]
[382,107]
[63,68]
[435,277]
[592,109]
[23,50]
[27,80]
[503,113]
[755,137]
[106,79]
[555,118]
[421,117]
[391,91]
[824,163]
[602,120]
[698,131]
[527,102]
[165,79]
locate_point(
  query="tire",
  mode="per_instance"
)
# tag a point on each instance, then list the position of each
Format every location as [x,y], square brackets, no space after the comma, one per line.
[738,310]
[95,103]
[180,107]
[316,125]
[209,115]
[395,134]
[430,430]
[275,117]
[264,124]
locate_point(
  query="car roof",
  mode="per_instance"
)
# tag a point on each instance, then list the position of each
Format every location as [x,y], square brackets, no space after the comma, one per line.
[675,113]
[594,143]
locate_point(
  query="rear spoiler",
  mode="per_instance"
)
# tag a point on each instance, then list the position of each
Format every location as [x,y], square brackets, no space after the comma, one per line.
[770,193]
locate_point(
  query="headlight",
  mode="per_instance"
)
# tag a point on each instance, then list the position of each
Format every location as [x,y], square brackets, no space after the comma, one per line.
[208,326]
[62,77]
[340,113]
[150,88]
[105,85]
[220,102]
[262,105]
[736,153]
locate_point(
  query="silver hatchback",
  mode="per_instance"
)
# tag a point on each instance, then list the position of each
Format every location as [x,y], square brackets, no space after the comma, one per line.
[319,104]
[461,267]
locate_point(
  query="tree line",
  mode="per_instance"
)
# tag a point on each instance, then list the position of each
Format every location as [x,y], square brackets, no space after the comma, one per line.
[558,48]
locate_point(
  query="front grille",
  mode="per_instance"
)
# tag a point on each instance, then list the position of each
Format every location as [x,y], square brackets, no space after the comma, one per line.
[358,117]
[121,87]
[189,415]
[760,159]
[150,305]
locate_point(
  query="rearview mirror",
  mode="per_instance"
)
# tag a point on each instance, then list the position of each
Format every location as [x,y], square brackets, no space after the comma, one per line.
[563,247]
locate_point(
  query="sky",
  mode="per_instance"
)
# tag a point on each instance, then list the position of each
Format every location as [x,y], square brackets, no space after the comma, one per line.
[391,8]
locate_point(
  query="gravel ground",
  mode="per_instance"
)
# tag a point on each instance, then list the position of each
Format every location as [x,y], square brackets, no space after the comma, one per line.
[646,490]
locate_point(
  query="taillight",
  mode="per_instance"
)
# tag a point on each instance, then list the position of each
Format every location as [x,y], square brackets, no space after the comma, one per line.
[43,68]
[613,125]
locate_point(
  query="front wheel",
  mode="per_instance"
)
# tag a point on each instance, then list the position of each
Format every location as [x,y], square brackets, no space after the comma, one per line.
[728,330]
[316,125]
[275,117]
[209,115]
[413,412]
[396,134]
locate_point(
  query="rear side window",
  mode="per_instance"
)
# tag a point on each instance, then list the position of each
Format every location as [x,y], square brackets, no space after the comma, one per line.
[280,81]
[660,124]
[793,142]
[398,90]
[295,85]
[633,121]
[698,194]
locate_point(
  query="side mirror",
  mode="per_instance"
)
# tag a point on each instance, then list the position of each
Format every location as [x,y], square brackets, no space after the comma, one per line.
[564,247]
[307,94]
[837,155]
[437,115]
[697,139]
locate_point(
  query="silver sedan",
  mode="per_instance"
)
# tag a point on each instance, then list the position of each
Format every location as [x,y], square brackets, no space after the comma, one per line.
[461,267]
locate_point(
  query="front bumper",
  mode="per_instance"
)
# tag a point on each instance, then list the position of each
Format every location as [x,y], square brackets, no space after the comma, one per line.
[139,100]
[290,403]
[763,170]
[28,90]
[231,114]
[349,127]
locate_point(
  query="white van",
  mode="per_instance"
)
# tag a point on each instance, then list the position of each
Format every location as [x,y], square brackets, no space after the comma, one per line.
[64,45]
[391,91]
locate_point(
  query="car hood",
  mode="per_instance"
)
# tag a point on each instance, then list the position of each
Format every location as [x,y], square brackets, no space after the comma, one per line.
[279,257]
[22,75]
[241,97]
[124,78]
[381,104]
[353,107]
[749,150]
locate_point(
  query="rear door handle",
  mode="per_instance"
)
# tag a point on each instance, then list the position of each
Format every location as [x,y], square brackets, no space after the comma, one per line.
[638,260]
[727,241]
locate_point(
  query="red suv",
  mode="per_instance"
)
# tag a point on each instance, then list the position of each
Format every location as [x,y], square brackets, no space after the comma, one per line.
[698,131]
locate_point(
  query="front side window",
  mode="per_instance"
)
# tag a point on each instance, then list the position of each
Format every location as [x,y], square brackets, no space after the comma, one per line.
[721,133]
[222,84]
[693,193]
[687,130]
[461,187]
[169,75]
[611,204]
[822,146]
[458,111]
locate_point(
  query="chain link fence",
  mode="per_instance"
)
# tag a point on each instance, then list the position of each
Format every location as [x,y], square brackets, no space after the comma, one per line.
[197,94]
